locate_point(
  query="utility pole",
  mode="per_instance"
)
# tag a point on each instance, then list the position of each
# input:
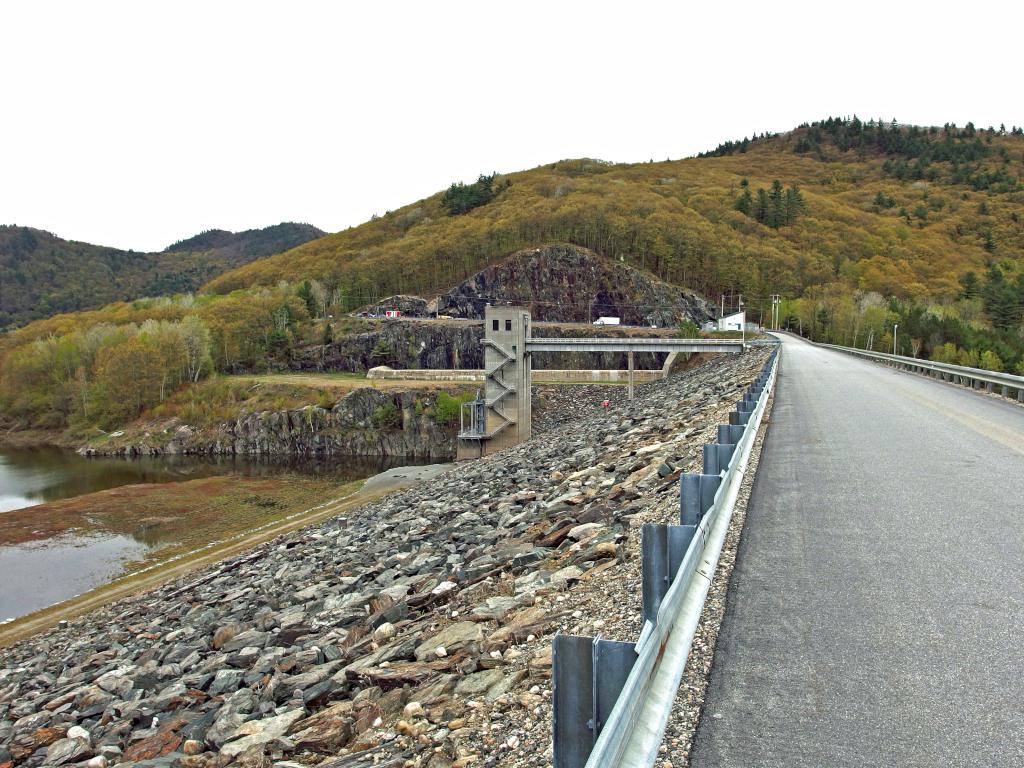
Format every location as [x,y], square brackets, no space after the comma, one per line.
[743,321]
[775,311]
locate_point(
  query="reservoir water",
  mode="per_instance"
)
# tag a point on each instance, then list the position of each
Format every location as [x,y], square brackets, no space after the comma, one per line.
[30,476]
[44,560]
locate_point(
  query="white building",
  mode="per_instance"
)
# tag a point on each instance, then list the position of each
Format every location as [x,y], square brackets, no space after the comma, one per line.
[732,322]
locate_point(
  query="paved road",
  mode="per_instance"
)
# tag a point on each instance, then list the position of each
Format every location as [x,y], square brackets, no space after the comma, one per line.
[876,612]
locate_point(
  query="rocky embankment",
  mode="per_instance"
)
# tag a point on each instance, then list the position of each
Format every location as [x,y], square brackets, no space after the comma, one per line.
[365,422]
[413,632]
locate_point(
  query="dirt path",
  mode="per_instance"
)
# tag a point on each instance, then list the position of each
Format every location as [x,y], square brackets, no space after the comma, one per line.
[134,584]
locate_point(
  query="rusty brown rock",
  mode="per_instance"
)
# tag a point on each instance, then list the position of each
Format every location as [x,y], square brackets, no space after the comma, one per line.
[398,674]
[327,730]
[366,717]
[225,635]
[44,737]
[157,745]
[555,536]
[540,664]
[530,621]
[600,551]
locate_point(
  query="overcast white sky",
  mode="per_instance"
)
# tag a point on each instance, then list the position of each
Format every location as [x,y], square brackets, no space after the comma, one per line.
[135,124]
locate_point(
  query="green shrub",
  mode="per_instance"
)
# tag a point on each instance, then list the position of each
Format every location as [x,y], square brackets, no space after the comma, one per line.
[991,361]
[461,198]
[387,416]
[688,330]
[968,358]
[446,407]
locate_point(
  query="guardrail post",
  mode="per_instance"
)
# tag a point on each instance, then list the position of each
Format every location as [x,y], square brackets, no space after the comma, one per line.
[717,457]
[587,676]
[730,433]
[696,495]
[662,548]
[738,417]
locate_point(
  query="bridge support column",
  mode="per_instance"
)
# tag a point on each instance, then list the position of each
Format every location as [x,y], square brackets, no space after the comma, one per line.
[632,367]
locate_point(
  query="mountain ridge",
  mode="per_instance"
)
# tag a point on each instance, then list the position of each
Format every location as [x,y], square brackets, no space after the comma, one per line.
[42,274]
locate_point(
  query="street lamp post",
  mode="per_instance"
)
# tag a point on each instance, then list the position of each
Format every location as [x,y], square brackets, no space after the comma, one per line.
[894,327]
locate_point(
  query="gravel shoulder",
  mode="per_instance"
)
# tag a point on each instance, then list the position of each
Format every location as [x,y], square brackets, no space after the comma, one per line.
[677,743]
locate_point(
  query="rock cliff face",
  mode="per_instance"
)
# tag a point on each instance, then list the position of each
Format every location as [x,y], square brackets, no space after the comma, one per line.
[399,344]
[566,283]
[409,306]
[365,422]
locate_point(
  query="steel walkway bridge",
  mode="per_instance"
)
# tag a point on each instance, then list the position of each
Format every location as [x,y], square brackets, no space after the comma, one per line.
[501,416]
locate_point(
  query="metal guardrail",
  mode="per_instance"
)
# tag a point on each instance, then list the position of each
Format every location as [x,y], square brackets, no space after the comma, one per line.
[612,699]
[958,374]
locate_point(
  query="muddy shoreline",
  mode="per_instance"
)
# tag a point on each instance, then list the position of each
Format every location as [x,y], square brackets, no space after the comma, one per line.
[148,575]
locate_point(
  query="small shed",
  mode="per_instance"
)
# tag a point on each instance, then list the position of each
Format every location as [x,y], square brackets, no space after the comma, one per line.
[733,322]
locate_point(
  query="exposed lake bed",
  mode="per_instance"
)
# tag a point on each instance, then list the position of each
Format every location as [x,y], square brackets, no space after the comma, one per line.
[46,572]
[156,512]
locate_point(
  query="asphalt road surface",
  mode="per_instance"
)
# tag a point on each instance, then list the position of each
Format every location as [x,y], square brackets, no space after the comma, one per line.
[876,612]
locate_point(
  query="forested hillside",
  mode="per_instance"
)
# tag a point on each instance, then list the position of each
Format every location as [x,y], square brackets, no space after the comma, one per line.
[858,225]
[899,211]
[41,274]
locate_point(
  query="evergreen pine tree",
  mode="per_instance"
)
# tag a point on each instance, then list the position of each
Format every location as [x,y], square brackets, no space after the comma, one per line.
[761,206]
[776,205]
[745,203]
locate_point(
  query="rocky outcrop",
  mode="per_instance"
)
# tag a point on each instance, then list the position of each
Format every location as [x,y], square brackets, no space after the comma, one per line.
[398,344]
[417,627]
[365,422]
[566,283]
[409,306]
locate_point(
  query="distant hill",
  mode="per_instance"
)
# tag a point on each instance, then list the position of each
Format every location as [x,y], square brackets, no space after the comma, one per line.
[42,274]
[253,243]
